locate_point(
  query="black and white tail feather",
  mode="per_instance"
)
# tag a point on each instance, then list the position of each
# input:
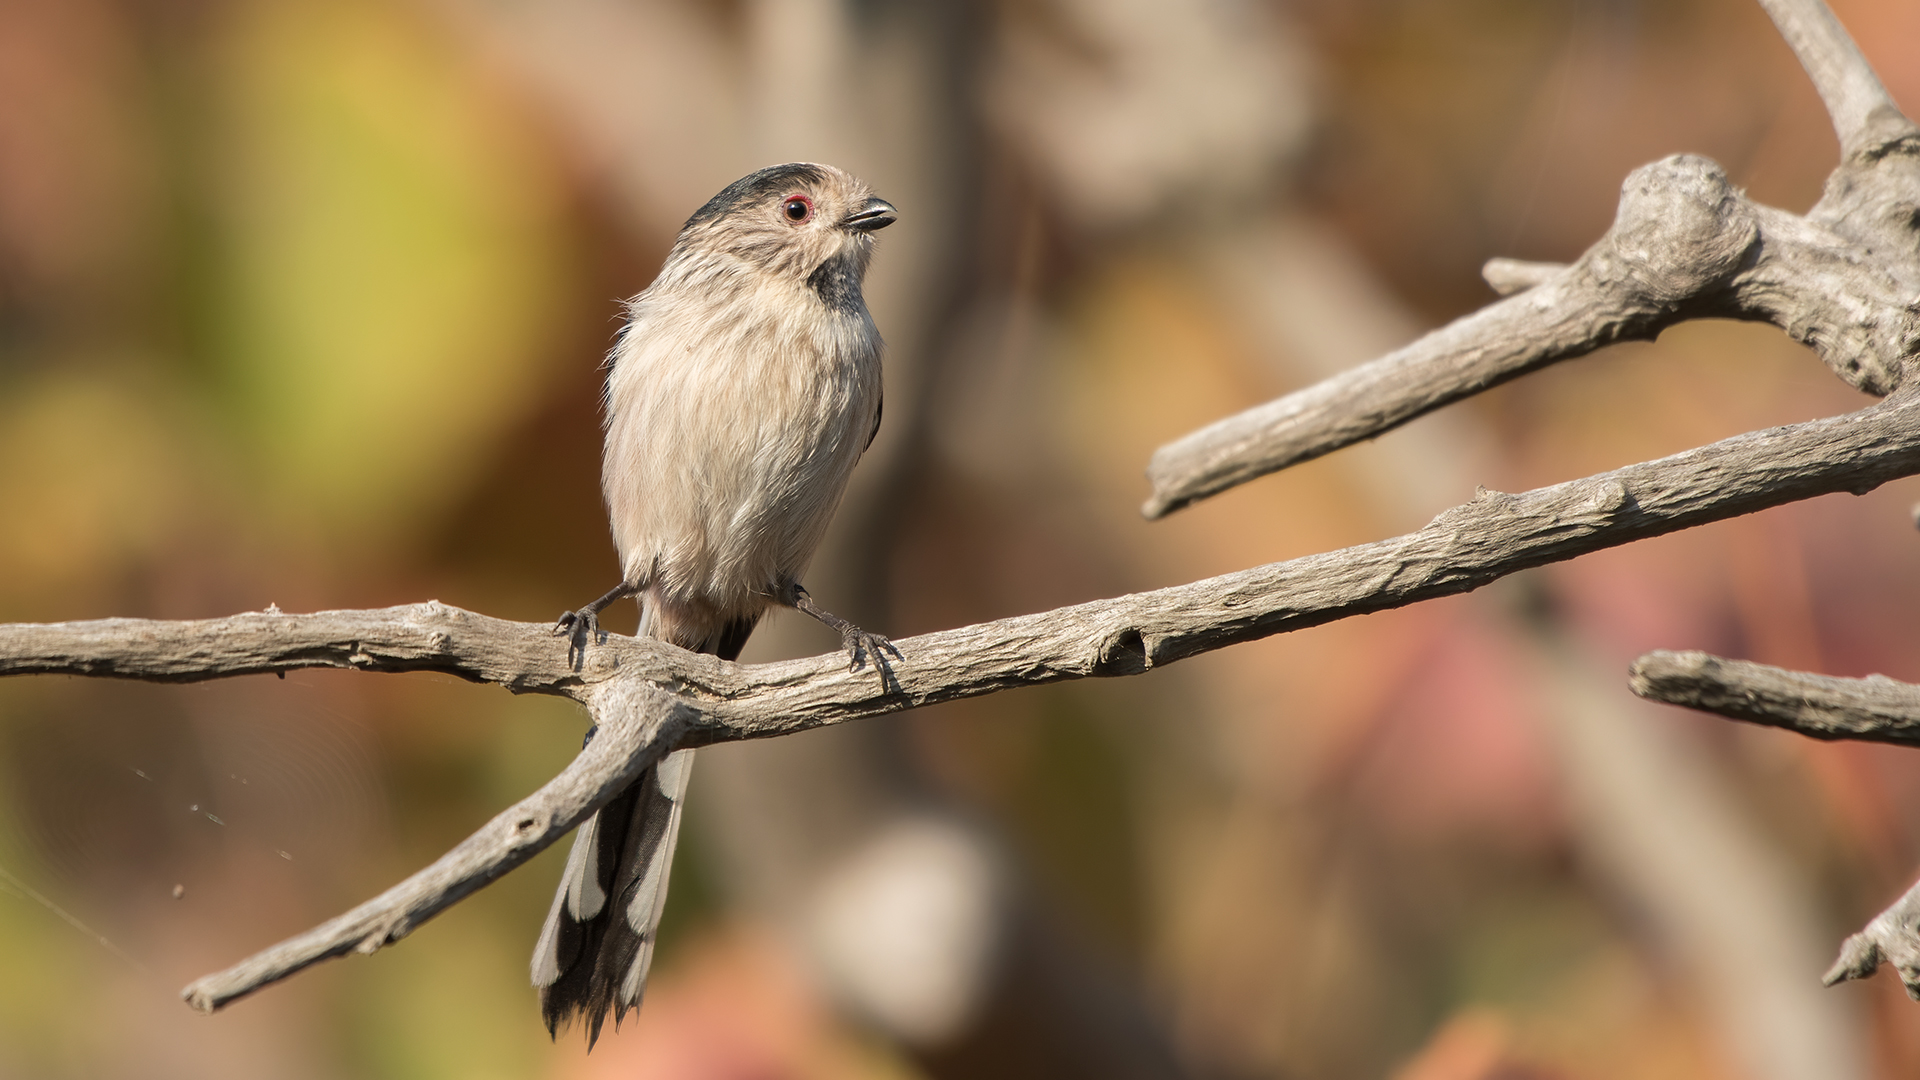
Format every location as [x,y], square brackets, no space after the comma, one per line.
[597,945]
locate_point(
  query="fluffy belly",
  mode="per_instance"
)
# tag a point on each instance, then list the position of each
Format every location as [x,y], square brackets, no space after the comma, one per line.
[722,473]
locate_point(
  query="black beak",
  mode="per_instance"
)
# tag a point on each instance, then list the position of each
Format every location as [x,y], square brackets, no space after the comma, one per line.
[877,214]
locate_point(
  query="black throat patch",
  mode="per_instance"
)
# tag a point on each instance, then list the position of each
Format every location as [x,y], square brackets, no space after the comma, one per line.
[837,284]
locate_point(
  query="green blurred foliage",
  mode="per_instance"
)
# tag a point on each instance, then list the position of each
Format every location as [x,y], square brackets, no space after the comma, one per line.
[393,255]
[306,364]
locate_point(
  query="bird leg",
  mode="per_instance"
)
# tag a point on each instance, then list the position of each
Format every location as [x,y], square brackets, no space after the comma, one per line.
[860,644]
[583,625]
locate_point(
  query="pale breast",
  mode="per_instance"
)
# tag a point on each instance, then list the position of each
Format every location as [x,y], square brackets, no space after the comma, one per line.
[733,428]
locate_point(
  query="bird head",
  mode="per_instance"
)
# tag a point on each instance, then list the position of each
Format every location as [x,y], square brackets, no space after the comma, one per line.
[809,223]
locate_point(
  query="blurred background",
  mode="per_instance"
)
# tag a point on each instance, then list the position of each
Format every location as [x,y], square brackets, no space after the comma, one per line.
[302,302]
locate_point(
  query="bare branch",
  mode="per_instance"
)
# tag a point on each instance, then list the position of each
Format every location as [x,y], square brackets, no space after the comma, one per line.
[1893,935]
[524,657]
[1559,319]
[1852,92]
[637,725]
[622,680]
[1462,549]
[1873,709]
[1684,244]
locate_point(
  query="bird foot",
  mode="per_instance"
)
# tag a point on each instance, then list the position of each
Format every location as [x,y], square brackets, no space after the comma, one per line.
[583,623]
[582,627]
[861,646]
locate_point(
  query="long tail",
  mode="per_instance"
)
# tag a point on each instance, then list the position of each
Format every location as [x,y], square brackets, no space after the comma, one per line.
[597,944]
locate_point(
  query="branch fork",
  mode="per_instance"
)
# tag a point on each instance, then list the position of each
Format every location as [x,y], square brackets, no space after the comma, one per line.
[637,726]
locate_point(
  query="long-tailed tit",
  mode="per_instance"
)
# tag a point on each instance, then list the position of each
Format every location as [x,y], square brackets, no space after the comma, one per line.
[743,389]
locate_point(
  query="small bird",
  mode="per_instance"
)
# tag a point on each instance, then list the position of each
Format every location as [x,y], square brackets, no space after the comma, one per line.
[743,389]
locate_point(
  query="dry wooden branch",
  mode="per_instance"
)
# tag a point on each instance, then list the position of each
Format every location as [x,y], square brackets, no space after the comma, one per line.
[1853,94]
[1873,709]
[1684,244]
[1462,549]
[522,657]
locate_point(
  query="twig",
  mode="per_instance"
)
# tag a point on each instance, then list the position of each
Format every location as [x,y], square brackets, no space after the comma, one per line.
[1684,244]
[1873,709]
[637,725]
[1847,85]
[1510,276]
[524,657]
[1460,550]
[1842,280]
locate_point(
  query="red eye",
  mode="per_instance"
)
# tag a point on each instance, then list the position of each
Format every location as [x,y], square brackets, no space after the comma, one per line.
[798,208]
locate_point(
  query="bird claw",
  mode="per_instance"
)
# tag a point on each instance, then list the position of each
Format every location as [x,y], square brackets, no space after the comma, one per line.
[577,622]
[861,644]
[583,626]
[580,628]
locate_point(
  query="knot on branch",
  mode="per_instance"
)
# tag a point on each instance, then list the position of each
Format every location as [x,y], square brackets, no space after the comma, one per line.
[1486,505]
[1681,229]
[1123,653]
[1597,504]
